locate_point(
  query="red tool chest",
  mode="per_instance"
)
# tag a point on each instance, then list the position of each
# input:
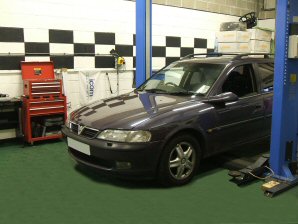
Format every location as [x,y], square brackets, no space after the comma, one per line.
[44,105]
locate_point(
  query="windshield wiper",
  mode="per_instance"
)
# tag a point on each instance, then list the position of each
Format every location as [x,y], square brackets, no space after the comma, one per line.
[155,90]
[183,93]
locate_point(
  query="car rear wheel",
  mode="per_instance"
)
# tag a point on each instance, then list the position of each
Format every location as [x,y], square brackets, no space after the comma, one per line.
[179,161]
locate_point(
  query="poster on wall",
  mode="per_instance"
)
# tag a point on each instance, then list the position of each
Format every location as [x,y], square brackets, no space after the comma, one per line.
[91,87]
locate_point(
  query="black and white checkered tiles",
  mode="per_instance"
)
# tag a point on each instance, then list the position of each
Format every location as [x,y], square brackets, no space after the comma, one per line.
[16,44]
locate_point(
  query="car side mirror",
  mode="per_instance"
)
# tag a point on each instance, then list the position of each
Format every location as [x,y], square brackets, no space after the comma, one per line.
[222,98]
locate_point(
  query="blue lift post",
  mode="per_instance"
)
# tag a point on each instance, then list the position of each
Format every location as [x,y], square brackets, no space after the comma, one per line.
[143,40]
[283,152]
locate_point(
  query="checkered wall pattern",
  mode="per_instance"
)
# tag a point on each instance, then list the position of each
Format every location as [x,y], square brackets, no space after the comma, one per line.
[81,48]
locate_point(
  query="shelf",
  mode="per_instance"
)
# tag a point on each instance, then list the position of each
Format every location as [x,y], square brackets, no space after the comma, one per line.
[8,124]
[10,118]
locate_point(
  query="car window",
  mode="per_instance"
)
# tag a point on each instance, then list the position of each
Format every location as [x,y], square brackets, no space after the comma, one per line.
[266,71]
[203,78]
[184,77]
[241,81]
[174,76]
[167,77]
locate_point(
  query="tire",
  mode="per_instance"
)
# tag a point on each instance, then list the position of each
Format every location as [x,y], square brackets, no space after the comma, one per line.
[179,161]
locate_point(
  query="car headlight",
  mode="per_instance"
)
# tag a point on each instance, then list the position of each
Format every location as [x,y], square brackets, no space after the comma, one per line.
[125,136]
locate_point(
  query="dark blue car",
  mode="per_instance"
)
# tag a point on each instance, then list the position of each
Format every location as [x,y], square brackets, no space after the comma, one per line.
[191,109]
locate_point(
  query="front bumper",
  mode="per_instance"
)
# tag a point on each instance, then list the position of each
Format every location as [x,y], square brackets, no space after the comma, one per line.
[109,157]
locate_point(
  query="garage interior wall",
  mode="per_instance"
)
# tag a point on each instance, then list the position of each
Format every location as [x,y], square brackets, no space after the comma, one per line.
[228,7]
[92,26]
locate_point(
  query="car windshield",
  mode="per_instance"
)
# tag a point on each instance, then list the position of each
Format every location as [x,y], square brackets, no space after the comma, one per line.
[184,78]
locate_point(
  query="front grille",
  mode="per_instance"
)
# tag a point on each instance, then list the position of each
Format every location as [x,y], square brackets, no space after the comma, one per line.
[89,132]
[74,127]
[83,130]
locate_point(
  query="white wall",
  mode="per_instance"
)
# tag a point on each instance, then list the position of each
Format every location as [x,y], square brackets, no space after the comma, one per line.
[106,16]
[116,16]
[187,23]
[88,15]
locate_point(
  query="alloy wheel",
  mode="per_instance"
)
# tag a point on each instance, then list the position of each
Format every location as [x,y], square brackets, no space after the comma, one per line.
[182,160]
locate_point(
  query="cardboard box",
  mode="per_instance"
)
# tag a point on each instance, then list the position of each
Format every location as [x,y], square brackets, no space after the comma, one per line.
[260,34]
[234,48]
[233,36]
[259,46]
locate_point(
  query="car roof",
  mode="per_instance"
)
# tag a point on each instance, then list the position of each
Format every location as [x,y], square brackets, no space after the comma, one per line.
[211,60]
[218,58]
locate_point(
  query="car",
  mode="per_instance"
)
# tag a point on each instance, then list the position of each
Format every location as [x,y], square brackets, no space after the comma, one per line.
[193,108]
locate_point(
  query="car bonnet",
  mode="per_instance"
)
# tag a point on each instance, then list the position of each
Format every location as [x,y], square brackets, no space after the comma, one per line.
[127,111]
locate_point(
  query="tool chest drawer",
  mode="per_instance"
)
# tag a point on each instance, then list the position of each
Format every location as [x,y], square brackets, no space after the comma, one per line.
[35,89]
[44,106]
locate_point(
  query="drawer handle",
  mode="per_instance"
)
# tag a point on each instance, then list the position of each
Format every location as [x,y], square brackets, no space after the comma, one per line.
[40,87]
[47,101]
[46,108]
[45,93]
[43,83]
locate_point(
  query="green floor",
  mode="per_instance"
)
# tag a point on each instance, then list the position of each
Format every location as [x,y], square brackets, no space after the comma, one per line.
[40,184]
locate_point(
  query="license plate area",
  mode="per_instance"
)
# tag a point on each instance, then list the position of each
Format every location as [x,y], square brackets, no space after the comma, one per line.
[79,146]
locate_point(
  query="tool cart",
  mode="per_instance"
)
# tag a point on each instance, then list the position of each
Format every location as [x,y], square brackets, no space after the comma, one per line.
[44,104]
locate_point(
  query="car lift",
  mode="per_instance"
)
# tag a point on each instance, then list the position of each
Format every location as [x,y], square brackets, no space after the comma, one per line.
[283,151]
[143,40]
[257,170]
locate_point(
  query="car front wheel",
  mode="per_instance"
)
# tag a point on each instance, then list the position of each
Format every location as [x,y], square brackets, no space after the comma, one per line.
[179,161]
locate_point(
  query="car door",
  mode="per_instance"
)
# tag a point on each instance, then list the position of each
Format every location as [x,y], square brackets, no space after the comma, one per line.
[240,121]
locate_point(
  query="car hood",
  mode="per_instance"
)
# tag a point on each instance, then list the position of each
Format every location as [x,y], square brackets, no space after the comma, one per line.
[128,111]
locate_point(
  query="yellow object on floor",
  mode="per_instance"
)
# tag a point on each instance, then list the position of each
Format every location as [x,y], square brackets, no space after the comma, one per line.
[269,185]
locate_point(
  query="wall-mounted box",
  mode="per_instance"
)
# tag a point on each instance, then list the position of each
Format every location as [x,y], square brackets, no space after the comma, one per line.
[234,48]
[233,36]
[293,46]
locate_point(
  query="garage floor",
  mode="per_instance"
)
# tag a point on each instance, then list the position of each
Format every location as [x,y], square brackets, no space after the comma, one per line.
[40,184]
